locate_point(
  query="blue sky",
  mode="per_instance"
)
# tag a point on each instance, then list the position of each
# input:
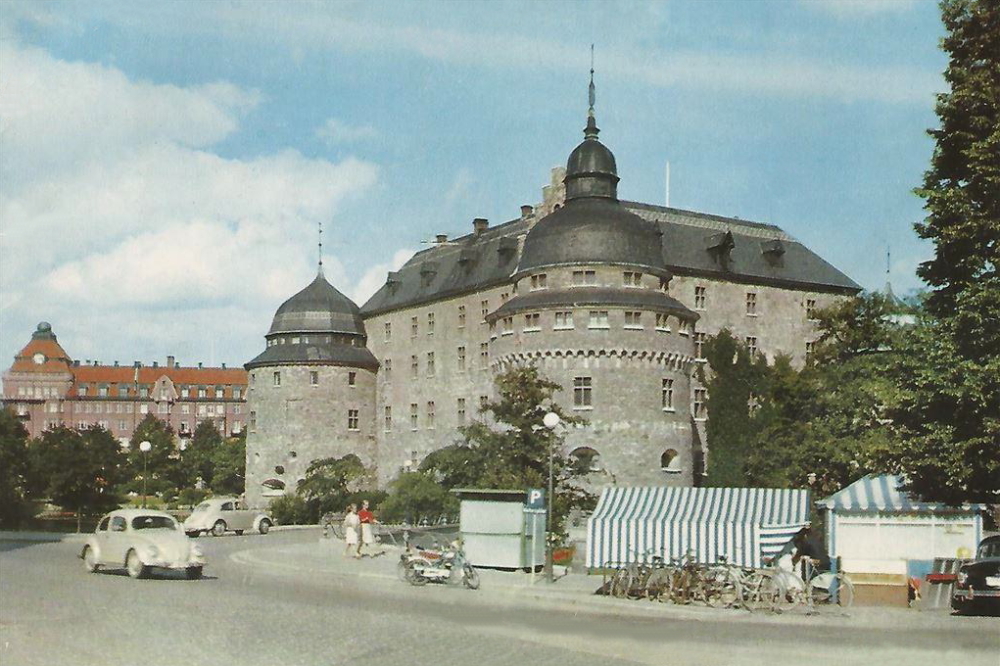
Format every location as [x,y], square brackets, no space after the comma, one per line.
[163,166]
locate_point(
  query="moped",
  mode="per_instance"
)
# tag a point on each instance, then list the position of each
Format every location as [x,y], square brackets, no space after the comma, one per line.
[420,566]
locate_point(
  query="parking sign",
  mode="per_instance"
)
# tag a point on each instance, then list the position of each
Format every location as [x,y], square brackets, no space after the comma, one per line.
[536,498]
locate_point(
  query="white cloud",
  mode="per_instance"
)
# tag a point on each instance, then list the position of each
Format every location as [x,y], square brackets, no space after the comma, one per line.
[374,277]
[334,132]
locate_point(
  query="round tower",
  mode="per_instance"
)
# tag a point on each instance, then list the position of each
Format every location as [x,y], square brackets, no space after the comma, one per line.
[311,392]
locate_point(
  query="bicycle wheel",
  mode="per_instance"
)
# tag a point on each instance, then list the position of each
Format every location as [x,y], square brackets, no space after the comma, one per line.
[622,583]
[470,576]
[789,592]
[658,585]
[722,588]
[842,591]
[759,591]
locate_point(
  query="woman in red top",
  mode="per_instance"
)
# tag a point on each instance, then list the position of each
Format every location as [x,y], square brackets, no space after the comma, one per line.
[367,519]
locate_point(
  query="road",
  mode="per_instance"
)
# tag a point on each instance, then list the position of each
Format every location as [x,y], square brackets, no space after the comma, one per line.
[52,612]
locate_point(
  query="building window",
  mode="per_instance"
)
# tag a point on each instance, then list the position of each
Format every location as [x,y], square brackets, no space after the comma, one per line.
[220,410]
[352,419]
[584,278]
[663,322]
[387,328]
[670,461]
[484,401]
[185,409]
[276,380]
[633,320]
[387,369]
[598,319]
[123,392]
[102,392]
[667,395]
[414,367]
[413,416]
[540,281]
[751,303]
[699,410]
[699,346]
[564,321]
[461,316]
[314,378]
[507,326]
[122,425]
[352,379]
[430,415]
[664,285]
[430,364]
[485,307]
[143,408]
[699,298]
[504,297]
[414,327]
[253,421]
[810,350]
[161,408]
[143,391]
[582,392]
[461,411]
[237,409]
[810,309]
[630,279]
[532,322]
[219,393]
[387,426]
[683,327]
[430,323]
[460,359]
[237,393]
[81,389]
[751,342]
[203,392]
[585,460]
[484,355]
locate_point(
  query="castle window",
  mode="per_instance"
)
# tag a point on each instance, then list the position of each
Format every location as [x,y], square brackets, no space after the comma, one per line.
[352,379]
[430,323]
[663,322]
[413,327]
[430,415]
[484,401]
[667,395]
[388,331]
[630,279]
[751,303]
[810,350]
[253,421]
[598,319]
[585,460]
[664,285]
[461,411]
[430,364]
[584,278]
[413,415]
[484,355]
[295,340]
[507,326]
[564,321]
[633,320]
[699,346]
[670,461]
[460,359]
[683,327]
[699,410]
[387,369]
[485,307]
[276,380]
[751,342]
[461,316]
[387,426]
[539,281]
[504,297]
[532,322]
[582,387]
[810,309]
[699,297]
[414,367]
[352,419]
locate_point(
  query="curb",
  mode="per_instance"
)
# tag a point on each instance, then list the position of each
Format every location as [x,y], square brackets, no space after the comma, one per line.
[44,537]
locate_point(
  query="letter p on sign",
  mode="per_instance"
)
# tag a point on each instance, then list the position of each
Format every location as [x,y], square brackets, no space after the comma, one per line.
[536,498]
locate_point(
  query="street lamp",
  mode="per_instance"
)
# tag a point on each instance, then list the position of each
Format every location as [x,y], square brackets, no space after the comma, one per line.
[144,446]
[550,421]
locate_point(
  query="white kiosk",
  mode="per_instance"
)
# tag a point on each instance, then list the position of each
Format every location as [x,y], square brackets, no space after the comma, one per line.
[499,528]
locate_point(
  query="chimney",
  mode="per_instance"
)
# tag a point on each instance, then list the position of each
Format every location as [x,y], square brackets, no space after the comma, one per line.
[199,365]
[136,364]
[526,211]
[156,364]
[223,366]
[86,361]
[170,361]
[116,364]
[480,224]
[76,364]
[441,238]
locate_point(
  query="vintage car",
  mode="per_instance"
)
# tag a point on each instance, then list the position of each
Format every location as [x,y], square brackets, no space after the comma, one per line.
[977,586]
[222,514]
[141,540]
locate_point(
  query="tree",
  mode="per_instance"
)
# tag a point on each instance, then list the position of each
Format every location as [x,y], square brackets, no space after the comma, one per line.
[330,482]
[415,497]
[161,464]
[229,464]
[948,416]
[82,470]
[14,470]
[198,457]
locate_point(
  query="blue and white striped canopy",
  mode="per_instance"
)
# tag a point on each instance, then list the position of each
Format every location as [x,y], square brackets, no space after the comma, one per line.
[743,524]
[883,494]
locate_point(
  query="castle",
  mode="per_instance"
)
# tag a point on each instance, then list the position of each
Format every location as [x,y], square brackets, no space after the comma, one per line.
[611,299]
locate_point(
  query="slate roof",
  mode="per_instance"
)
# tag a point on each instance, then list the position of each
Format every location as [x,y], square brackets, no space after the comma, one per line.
[313,354]
[318,308]
[645,299]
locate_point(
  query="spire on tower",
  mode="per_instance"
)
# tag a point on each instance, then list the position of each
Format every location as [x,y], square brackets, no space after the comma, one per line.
[591,131]
[321,247]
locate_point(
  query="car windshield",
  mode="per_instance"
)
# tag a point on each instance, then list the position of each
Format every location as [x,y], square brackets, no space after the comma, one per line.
[204,506]
[154,523]
[989,549]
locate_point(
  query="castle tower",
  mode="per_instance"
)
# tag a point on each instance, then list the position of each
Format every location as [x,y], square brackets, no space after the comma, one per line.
[311,392]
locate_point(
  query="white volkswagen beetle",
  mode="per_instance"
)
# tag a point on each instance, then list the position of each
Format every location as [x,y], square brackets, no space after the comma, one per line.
[141,540]
[221,514]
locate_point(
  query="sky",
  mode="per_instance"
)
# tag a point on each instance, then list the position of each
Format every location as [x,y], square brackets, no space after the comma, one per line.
[164,167]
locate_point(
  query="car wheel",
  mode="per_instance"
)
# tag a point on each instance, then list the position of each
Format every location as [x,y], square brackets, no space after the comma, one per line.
[134,565]
[90,560]
[219,528]
[193,573]
[194,534]
[238,532]
[265,526]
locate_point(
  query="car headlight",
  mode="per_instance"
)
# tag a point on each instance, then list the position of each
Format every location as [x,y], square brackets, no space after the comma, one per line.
[962,577]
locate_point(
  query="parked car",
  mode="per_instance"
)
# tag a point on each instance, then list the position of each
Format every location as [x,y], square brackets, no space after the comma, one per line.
[141,540]
[221,514]
[977,587]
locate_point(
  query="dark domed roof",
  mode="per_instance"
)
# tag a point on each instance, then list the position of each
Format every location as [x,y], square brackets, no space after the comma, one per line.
[318,308]
[593,230]
[591,170]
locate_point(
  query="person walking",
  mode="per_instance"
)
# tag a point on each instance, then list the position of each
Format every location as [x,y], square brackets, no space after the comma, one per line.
[351,525]
[367,520]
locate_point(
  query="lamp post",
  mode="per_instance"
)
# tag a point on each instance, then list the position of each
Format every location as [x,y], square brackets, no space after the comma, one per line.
[550,421]
[144,446]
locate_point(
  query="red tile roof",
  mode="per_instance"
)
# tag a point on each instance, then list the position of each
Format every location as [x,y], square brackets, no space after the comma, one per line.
[105,374]
[56,359]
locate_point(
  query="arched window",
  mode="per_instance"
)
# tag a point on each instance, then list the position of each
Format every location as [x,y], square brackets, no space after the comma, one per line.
[273,488]
[585,460]
[670,461]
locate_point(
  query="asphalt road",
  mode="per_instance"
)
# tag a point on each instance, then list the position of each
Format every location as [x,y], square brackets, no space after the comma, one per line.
[52,612]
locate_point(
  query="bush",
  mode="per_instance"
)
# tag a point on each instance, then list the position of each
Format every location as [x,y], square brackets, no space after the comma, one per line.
[416,497]
[293,510]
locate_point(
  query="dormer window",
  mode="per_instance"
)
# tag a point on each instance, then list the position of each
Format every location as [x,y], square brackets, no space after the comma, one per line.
[584,278]
[539,281]
[632,279]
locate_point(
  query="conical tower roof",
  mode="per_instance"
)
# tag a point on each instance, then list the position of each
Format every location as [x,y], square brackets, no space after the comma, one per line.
[319,308]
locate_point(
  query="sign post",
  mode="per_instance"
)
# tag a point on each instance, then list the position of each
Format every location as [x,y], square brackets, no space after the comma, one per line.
[534,504]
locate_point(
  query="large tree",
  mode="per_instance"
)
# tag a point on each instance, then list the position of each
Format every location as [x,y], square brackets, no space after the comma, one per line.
[161,465]
[949,413]
[198,457]
[14,470]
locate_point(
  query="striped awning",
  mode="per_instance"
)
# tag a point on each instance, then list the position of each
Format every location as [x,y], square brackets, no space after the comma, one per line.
[743,524]
[882,494]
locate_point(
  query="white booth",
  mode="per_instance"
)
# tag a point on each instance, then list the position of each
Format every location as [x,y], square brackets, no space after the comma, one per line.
[500,530]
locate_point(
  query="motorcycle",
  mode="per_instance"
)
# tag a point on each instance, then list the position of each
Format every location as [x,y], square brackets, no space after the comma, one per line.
[420,566]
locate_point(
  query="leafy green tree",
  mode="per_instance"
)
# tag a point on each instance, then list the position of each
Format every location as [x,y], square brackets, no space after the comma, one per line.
[415,497]
[229,463]
[948,417]
[198,457]
[164,471]
[81,470]
[330,483]
[14,470]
